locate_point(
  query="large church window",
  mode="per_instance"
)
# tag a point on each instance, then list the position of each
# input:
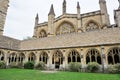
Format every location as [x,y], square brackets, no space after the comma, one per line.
[74,56]
[43,57]
[114,56]
[65,28]
[93,55]
[42,34]
[1,56]
[92,26]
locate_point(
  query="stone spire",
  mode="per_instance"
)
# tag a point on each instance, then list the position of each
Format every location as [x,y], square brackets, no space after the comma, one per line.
[119,4]
[64,7]
[51,10]
[103,6]
[36,19]
[78,5]
[78,10]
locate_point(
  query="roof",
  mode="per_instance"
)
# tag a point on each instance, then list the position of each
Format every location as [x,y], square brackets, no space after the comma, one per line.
[9,43]
[98,37]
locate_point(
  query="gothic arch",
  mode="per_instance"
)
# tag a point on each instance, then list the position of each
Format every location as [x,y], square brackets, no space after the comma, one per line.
[92,25]
[113,55]
[74,56]
[13,58]
[93,55]
[2,55]
[21,57]
[65,27]
[43,57]
[42,33]
[31,57]
[57,57]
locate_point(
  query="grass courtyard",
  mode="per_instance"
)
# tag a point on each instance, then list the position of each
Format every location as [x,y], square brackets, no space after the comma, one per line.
[22,74]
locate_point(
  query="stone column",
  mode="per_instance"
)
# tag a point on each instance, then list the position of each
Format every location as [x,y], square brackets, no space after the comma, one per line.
[82,59]
[104,64]
[7,58]
[26,57]
[36,58]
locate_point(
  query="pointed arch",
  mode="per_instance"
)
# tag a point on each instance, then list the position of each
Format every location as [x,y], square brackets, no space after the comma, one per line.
[21,57]
[74,56]
[113,55]
[31,57]
[92,25]
[57,57]
[65,27]
[43,57]
[42,33]
[93,55]
[13,58]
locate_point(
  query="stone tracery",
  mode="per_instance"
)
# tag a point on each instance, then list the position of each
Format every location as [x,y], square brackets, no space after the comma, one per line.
[91,26]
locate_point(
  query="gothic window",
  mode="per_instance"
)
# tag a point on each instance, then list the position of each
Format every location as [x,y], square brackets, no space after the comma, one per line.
[31,57]
[13,58]
[1,56]
[93,55]
[74,56]
[21,58]
[43,57]
[92,26]
[42,34]
[57,57]
[114,56]
[65,28]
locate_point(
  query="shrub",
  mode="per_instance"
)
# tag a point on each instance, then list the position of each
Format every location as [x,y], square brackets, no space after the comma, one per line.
[13,65]
[2,65]
[114,68]
[29,65]
[40,66]
[75,66]
[93,67]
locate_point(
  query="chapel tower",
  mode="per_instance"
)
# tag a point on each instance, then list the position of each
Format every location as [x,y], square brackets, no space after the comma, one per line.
[3,12]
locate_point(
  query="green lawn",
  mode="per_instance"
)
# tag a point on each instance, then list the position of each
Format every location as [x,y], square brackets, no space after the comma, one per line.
[22,74]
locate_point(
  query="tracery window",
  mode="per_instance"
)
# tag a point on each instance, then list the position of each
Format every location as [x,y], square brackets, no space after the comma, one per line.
[1,56]
[42,34]
[74,56]
[43,57]
[31,57]
[114,56]
[13,58]
[57,57]
[92,26]
[93,55]
[65,28]
[21,58]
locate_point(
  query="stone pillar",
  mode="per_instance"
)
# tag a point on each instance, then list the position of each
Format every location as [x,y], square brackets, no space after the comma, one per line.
[7,58]
[104,63]
[26,57]
[82,59]
[117,17]
[36,58]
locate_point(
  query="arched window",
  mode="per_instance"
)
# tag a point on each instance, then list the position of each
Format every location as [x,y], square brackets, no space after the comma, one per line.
[1,56]
[57,58]
[13,58]
[31,57]
[21,57]
[93,55]
[42,34]
[74,56]
[65,28]
[91,26]
[43,57]
[114,56]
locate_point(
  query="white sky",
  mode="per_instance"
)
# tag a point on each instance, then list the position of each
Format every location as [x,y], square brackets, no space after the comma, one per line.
[21,13]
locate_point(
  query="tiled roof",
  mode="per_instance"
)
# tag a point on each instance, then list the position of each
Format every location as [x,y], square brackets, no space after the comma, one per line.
[9,43]
[98,37]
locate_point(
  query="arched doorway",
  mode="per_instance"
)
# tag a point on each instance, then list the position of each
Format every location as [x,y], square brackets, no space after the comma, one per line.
[114,56]
[43,57]
[93,55]
[74,56]
[57,59]
[1,56]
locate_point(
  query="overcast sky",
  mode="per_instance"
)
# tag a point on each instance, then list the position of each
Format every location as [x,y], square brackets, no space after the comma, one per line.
[21,13]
